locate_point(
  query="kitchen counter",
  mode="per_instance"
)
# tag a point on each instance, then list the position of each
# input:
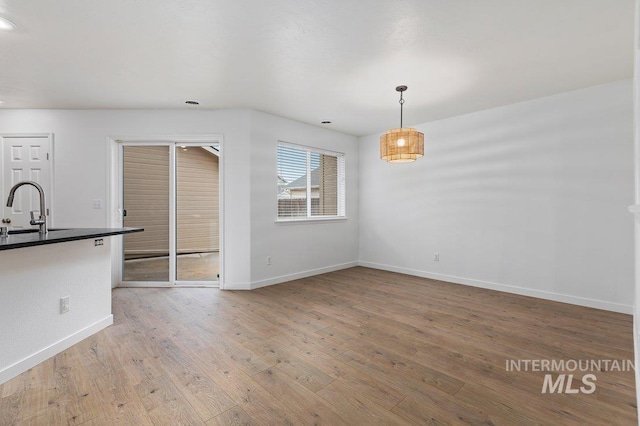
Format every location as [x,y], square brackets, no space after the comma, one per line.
[35,280]
[21,239]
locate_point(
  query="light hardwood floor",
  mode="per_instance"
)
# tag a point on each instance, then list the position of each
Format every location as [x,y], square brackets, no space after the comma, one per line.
[353,347]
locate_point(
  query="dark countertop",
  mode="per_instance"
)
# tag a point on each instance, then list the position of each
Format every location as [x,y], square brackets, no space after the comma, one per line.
[21,239]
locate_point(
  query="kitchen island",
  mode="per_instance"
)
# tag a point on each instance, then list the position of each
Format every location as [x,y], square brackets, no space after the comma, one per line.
[38,273]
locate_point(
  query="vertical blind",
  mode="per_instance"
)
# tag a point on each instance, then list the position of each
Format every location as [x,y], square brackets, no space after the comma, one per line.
[310,182]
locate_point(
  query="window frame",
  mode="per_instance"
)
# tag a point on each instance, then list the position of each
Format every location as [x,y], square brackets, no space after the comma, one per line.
[341,185]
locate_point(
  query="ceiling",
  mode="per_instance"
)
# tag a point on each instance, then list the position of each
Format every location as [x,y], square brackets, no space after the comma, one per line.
[310,60]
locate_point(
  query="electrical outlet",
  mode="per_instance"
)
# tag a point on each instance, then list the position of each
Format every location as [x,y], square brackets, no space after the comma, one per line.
[97,203]
[98,242]
[268,260]
[64,304]
[436,257]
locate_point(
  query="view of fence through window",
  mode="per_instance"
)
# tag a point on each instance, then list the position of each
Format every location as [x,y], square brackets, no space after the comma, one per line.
[310,182]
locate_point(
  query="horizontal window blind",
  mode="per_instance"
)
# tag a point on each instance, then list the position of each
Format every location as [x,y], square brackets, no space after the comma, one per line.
[310,182]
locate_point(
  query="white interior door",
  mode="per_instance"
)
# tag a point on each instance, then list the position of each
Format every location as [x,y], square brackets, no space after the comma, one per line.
[26,158]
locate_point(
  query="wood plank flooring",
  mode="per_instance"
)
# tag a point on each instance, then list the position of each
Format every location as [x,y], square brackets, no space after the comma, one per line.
[353,347]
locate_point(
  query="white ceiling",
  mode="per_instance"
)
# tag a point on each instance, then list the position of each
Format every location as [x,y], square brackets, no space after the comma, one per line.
[310,60]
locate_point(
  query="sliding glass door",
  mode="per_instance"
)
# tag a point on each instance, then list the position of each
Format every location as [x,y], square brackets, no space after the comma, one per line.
[146,182]
[197,213]
[172,191]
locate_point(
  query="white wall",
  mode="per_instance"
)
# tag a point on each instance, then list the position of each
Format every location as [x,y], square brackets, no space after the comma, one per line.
[297,249]
[31,284]
[529,198]
[635,209]
[248,153]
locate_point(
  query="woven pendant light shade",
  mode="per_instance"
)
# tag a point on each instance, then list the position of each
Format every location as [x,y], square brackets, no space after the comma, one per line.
[401,145]
[404,144]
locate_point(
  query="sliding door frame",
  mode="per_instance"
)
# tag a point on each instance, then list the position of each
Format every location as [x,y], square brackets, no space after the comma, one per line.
[115,204]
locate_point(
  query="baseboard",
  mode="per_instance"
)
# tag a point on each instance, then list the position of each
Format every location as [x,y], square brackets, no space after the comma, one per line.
[235,286]
[556,297]
[54,349]
[303,274]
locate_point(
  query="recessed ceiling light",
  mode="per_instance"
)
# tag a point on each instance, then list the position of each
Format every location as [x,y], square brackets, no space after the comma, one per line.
[325,122]
[192,102]
[6,25]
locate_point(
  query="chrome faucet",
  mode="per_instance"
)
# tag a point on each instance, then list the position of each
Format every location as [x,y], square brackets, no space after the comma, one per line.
[42,219]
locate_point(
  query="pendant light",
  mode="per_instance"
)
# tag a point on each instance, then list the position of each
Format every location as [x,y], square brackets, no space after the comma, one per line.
[404,144]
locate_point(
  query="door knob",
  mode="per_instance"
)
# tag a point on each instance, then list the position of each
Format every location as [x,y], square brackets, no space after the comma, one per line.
[6,220]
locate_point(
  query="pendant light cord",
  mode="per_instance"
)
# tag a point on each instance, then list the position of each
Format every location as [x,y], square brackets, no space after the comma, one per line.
[401,106]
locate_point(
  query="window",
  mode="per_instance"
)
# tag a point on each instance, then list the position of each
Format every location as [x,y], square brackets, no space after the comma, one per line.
[310,183]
